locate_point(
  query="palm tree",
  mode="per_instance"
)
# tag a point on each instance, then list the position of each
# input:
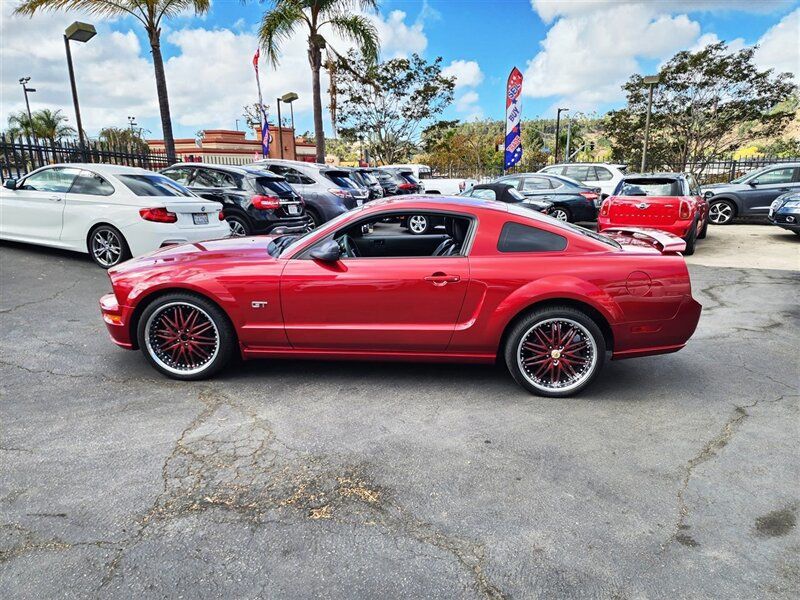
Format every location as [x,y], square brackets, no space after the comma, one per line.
[45,124]
[313,16]
[150,13]
[50,125]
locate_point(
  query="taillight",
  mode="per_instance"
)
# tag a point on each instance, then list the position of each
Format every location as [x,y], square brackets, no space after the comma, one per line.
[604,207]
[158,215]
[221,216]
[590,196]
[265,202]
[685,210]
[342,193]
[406,186]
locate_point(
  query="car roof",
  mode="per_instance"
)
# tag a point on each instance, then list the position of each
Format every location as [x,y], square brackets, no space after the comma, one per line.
[655,175]
[103,168]
[237,169]
[588,164]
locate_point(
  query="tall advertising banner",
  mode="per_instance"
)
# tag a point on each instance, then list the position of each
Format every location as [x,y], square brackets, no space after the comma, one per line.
[513,152]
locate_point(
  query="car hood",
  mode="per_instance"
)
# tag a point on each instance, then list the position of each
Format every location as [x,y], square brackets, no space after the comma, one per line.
[231,250]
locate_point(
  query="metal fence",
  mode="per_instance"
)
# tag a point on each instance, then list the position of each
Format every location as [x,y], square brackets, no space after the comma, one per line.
[20,156]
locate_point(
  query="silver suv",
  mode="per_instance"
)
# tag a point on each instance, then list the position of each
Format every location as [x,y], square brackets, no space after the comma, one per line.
[328,191]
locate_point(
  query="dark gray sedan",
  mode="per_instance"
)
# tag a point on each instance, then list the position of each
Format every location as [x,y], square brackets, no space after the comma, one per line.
[750,194]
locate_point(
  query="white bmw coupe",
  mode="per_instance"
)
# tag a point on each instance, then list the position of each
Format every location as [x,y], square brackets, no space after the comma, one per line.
[110,212]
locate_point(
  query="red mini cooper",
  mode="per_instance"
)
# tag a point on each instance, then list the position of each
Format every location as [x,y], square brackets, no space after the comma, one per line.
[493,282]
[669,202]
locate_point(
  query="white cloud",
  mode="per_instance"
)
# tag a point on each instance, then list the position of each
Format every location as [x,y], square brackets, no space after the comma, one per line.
[468,104]
[586,66]
[398,39]
[779,47]
[712,38]
[466,72]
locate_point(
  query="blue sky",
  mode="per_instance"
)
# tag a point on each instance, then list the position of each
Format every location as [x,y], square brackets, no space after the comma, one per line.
[573,54]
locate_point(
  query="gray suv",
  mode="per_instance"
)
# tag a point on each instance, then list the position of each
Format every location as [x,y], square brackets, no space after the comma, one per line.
[750,194]
[328,191]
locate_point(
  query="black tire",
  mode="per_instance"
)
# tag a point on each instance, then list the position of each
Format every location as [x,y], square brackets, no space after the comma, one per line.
[107,246]
[703,231]
[419,224]
[586,331]
[187,366]
[240,227]
[690,240]
[721,212]
[565,215]
[316,220]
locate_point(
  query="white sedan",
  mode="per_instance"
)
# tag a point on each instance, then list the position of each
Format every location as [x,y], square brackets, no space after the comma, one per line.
[110,212]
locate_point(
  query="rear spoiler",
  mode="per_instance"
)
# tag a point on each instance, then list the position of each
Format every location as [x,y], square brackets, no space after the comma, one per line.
[666,242]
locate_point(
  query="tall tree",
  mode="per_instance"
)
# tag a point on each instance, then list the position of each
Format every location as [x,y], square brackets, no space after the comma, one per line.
[387,103]
[707,104]
[151,14]
[315,17]
[126,138]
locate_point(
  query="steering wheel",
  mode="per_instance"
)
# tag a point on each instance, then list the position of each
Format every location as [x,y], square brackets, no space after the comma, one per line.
[349,249]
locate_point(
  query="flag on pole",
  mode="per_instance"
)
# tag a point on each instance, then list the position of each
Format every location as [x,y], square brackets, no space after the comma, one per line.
[513,153]
[264,120]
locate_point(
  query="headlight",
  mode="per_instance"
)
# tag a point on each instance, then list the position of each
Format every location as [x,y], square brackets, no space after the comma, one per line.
[708,193]
[795,204]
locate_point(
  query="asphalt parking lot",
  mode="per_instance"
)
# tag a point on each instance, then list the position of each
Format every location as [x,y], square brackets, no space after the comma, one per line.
[672,476]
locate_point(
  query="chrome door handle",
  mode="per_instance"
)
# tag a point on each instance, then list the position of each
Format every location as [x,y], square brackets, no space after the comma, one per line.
[55,198]
[441,279]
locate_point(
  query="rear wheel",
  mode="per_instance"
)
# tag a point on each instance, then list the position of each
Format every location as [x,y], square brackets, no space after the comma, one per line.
[721,212]
[107,246]
[690,239]
[185,336]
[238,226]
[555,352]
[560,213]
[316,220]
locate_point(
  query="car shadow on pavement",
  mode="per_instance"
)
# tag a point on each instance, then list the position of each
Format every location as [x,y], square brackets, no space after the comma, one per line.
[43,251]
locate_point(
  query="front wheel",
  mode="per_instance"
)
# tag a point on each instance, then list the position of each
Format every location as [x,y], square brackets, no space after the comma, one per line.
[107,246]
[418,224]
[555,352]
[721,212]
[186,336]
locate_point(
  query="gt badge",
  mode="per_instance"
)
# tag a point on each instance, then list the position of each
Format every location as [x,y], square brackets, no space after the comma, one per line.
[259,303]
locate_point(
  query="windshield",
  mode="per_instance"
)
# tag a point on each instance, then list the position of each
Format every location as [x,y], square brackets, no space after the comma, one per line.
[267,185]
[289,242]
[341,178]
[368,178]
[409,176]
[650,187]
[153,185]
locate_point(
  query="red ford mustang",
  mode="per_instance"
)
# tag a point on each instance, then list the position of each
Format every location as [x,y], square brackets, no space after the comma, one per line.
[669,202]
[494,281]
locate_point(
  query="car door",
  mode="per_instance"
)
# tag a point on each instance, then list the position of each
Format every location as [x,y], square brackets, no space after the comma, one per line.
[212,184]
[537,187]
[764,188]
[35,209]
[389,304]
[89,200]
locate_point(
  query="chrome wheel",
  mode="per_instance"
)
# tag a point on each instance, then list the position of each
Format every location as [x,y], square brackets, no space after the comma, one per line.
[237,228]
[417,224]
[557,355]
[106,247]
[182,338]
[560,214]
[720,213]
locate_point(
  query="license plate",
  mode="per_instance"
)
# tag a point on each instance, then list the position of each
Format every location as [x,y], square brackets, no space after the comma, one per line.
[200,218]
[293,209]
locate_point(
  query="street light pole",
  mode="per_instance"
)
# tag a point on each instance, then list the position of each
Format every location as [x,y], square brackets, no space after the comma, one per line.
[652,82]
[131,123]
[569,134]
[280,128]
[25,90]
[80,32]
[289,99]
[558,128]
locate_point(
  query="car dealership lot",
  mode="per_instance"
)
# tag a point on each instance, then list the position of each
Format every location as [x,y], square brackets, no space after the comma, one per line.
[671,476]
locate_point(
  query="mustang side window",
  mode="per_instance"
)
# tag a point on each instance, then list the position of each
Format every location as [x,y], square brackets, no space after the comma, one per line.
[516,237]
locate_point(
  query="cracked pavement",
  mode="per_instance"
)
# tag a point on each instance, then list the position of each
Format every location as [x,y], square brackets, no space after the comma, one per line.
[672,476]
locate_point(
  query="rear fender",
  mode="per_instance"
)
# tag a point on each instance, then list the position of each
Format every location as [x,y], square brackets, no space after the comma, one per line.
[553,288]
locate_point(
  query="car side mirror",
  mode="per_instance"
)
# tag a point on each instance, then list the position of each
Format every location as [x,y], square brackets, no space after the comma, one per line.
[328,252]
[11,184]
[753,183]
